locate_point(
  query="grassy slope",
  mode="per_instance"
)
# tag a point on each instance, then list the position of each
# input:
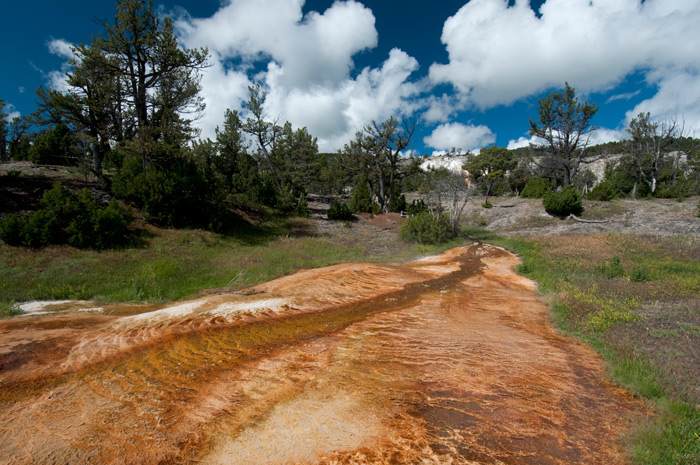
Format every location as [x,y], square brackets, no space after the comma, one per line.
[645,323]
[178,264]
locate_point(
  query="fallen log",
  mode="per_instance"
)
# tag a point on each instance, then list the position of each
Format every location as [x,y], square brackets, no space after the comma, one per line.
[581,220]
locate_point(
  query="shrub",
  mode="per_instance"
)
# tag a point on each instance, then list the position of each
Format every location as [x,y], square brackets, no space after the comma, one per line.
[339,211]
[563,203]
[376,209]
[603,192]
[398,204]
[361,200]
[486,205]
[425,228]
[612,268]
[640,274]
[536,188]
[64,219]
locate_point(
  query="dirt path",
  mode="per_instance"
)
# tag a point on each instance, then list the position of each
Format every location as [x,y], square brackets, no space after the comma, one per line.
[450,359]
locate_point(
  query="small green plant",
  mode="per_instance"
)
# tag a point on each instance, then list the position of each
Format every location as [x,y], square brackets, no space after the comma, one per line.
[640,274]
[612,268]
[13,173]
[425,228]
[603,192]
[9,309]
[376,209]
[536,188]
[487,205]
[398,204]
[563,203]
[524,268]
[339,211]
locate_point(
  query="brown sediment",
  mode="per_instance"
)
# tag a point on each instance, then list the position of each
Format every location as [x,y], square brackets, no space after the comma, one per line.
[449,359]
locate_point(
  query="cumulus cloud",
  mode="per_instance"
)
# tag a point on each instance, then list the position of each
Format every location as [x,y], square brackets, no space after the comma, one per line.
[460,136]
[57,79]
[520,142]
[500,53]
[678,98]
[307,63]
[334,114]
[311,50]
[10,112]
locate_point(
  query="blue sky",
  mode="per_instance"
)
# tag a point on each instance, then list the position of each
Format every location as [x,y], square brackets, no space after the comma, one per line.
[470,71]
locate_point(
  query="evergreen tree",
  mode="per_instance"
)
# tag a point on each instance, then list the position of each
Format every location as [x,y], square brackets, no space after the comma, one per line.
[565,126]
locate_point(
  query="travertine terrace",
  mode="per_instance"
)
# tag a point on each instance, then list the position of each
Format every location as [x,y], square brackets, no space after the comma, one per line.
[449,359]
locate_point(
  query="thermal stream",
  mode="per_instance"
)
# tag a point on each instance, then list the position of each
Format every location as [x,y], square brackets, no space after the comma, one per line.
[445,360]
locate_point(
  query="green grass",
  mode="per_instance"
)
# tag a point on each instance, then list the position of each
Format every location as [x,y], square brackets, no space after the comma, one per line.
[177,264]
[589,305]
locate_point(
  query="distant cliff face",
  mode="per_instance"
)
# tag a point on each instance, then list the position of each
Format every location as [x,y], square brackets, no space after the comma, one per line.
[451,162]
[596,165]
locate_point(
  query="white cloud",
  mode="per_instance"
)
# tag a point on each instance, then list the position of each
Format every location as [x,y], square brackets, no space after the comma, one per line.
[460,136]
[520,142]
[499,54]
[626,96]
[222,88]
[61,48]
[678,98]
[57,79]
[603,135]
[311,50]
[309,60]
[10,112]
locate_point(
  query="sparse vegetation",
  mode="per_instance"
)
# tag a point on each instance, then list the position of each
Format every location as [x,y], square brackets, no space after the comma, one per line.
[623,320]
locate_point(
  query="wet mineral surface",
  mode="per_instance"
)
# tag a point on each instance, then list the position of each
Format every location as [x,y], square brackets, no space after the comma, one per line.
[447,360]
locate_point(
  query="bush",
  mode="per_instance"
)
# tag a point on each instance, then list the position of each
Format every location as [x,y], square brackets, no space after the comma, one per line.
[536,188]
[612,268]
[398,204]
[563,203]
[603,192]
[425,228]
[486,205]
[64,219]
[339,211]
[361,200]
[640,274]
